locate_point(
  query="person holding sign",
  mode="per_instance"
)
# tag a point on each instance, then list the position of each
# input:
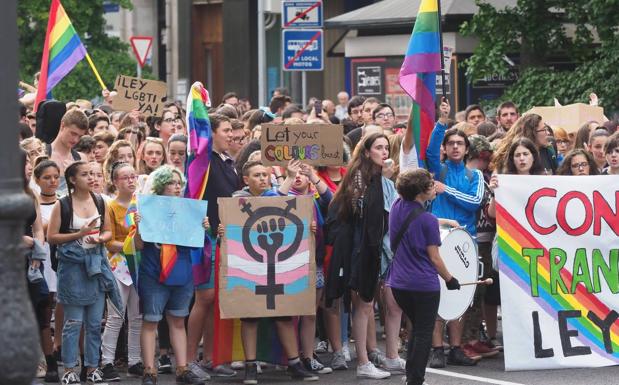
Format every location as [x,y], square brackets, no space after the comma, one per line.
[165,285]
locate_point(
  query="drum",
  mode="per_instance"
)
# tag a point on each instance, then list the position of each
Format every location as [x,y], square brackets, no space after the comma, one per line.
[459,252]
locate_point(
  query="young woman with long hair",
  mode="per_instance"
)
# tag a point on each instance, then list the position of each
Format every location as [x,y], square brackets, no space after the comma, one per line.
[578,162]
[120,151]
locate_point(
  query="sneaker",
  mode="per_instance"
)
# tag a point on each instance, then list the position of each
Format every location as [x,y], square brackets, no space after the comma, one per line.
[41,370]
[218,371]
[198,371]
[109,373]
[237,365]
[458,357]
[251,374]
[149,379]
[83,373]
[338,362]
[322,347]
[483,350]
[346,351]
[370,371]
[395,365]
[95,377]
[377,358]
[70,378]
[315,366]
[136,370]
[58,356]
[470,353]
[165,365]
[188,377]
[437,358]
[51,375]
[494,343]
[298,372]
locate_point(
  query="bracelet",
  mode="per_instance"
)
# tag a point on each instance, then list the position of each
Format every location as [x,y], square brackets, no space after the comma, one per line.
[316,183]
[279,176]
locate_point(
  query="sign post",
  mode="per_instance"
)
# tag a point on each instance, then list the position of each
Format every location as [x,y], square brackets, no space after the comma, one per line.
[141,48]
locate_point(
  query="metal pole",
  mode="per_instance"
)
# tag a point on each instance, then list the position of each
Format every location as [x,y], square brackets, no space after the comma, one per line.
[138,70]
[440,34]
[20,335]
[304,88]
[261,55]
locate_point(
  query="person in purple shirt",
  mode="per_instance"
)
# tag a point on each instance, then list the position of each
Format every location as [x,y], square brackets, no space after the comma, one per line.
[416,265]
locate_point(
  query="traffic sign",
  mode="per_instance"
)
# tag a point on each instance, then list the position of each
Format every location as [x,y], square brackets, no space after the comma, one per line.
[302,49]
[302,14]
[141,47]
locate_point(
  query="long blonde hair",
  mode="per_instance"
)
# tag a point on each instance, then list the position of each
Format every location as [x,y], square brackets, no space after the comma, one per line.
[525,127]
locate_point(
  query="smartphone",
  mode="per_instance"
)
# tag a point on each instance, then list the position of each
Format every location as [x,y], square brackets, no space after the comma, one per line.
[94,221]
[318,107]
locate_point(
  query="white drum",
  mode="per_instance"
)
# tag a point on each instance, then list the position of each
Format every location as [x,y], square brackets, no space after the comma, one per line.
[459,252]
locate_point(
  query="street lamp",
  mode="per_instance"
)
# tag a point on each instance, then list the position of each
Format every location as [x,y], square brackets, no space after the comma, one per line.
[19,335]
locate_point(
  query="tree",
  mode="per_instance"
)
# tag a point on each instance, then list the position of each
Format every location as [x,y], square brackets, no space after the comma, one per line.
[110,55]
[585,32]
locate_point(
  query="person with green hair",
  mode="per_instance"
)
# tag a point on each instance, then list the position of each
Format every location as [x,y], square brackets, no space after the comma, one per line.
[168,290]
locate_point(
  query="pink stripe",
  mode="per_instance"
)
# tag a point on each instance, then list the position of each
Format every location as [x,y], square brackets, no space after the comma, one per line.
[421,62]
[414,86]
[66,67]
[285,278]
[237,248]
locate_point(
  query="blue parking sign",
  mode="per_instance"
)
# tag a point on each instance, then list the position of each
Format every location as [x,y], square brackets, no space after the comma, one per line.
[302,49]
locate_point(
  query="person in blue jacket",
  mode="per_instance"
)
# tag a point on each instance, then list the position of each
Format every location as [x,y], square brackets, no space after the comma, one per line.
[460,191]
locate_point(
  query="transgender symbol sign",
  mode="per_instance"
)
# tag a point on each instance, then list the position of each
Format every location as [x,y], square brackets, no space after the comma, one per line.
[267,265]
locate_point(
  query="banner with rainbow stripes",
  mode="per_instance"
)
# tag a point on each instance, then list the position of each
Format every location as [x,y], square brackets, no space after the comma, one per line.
[558,242]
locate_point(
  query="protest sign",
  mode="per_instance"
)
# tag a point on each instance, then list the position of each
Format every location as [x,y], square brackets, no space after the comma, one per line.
[316,144]
[571,116]
[146,96]
[559,271]
[267,263]
[172,220]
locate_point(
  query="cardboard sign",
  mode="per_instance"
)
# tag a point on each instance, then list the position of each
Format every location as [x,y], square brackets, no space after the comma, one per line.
[570,117]
[316,144]
[146,96]
[267,265]
[172,220]
[558,256]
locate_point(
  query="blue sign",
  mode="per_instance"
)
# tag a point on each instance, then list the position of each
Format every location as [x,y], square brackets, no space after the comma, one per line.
[302,50]
[302,14]
[172,220]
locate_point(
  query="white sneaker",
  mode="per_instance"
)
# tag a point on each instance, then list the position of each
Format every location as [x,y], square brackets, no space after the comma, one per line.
[370,371]
[395,365]
[346,351]
[237,365]
[322,347]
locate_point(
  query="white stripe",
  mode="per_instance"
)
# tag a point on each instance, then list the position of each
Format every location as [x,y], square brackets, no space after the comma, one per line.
[476,199]
[260,268]
[469,377]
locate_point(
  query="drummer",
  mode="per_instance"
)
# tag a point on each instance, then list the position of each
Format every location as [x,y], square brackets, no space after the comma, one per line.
[413,277]
[460,191]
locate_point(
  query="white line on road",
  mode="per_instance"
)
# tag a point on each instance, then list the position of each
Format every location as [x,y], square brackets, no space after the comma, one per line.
[469,377]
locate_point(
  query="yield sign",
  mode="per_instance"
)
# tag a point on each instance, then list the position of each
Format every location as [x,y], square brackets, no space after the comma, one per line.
[141,47]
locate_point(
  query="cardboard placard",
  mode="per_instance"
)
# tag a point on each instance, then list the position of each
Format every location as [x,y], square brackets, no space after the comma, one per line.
[316,144]
[267,265]
[144,95]
[571,116]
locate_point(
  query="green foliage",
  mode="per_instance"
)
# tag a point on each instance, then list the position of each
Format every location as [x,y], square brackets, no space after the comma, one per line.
[537,30]
[110,55]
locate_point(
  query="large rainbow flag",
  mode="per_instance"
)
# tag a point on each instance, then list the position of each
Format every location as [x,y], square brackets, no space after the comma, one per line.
[62,50]
[131,254]
[418,73]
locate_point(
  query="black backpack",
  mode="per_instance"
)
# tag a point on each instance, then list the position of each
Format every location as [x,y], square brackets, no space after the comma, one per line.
[66,211]
[49,115]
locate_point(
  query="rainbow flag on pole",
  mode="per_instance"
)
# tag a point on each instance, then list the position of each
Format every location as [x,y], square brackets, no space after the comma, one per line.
[200,141]
[418,73]
[131,254]
[62,51]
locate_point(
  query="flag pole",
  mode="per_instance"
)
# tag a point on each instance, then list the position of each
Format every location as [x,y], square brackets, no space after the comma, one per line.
[440,35]
[94,69]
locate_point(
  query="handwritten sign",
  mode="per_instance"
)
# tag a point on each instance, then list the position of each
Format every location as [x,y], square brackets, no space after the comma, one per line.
[172,220]
[317,144]
[146,96]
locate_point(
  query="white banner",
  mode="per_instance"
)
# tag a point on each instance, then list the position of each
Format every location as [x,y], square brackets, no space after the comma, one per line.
[559,270]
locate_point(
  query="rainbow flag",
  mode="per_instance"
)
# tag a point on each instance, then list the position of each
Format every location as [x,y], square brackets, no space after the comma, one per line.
[62,50]
[200,141]
[131,254]
[418,73]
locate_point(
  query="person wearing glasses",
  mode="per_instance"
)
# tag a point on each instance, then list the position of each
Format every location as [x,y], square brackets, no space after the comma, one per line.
[563,142]
[166,126]
[238,138]
[578,162]
[384,116]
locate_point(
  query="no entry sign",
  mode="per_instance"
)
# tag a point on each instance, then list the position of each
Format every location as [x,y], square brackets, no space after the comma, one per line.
[302,49]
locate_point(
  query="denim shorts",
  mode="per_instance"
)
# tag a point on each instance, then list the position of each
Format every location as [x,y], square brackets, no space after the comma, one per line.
[155,298]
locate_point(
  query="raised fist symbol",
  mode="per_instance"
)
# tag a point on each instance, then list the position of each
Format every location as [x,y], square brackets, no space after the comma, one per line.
[271,235]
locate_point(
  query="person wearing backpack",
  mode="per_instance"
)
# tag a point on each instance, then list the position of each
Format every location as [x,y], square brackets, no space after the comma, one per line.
[460,191]
[78,225]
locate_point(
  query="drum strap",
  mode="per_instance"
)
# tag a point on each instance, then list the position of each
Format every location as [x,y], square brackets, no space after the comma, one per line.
[409,219]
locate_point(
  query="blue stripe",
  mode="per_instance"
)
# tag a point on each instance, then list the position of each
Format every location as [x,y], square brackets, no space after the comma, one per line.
[423,42]
[295,287]
[63,55]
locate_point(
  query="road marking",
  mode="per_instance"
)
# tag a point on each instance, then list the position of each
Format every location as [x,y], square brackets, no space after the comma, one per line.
[469,377]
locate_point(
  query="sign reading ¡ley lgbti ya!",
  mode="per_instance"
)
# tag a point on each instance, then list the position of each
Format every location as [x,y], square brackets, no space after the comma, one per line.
[559,271]
[316,144]
[146,96]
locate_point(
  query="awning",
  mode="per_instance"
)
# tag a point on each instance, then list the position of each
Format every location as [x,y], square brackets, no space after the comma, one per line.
[401,13]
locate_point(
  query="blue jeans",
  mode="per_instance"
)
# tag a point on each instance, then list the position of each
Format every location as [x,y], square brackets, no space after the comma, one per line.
[157,299]
[90,316]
